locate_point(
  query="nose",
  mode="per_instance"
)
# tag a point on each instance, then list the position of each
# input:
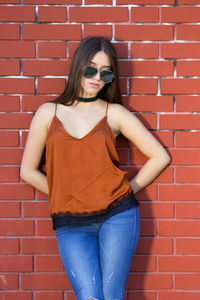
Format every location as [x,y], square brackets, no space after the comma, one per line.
[97,76]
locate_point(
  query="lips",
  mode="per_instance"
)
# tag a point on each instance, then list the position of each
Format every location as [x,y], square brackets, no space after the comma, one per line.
[94,85]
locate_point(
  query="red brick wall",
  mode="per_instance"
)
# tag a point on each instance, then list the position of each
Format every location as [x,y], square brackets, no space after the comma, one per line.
[158,45]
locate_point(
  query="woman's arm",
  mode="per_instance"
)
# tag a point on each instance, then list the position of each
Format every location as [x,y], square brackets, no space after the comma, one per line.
[34,148]
[130,126]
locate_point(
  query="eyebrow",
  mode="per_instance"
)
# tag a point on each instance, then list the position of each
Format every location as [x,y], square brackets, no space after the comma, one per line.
[102,66]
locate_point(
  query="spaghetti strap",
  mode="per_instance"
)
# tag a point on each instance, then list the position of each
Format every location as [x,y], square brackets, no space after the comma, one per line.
[107,108]
[55,109]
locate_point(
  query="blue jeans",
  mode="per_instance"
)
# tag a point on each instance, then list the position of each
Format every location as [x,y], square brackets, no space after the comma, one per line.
[97,257]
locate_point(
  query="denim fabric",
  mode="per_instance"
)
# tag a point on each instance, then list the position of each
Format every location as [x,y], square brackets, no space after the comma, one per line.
[97,257]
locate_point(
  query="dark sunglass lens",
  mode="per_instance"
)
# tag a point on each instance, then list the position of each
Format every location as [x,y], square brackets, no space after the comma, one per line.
[90,72]
[107,76]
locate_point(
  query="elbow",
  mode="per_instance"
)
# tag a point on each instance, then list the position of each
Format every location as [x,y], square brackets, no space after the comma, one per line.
[166,159]
[24,174]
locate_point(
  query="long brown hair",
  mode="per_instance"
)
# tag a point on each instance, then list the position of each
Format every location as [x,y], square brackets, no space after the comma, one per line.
[87,48]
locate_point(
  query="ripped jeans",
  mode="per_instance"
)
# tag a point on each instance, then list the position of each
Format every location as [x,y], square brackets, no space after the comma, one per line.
[97,257]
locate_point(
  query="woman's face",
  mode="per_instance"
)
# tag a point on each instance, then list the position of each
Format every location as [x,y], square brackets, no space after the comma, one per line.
[91,86]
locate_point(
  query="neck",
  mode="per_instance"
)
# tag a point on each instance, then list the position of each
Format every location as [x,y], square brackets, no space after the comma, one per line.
[91,99]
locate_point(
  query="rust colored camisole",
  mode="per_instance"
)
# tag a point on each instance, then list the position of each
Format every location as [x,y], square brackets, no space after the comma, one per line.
[83,176]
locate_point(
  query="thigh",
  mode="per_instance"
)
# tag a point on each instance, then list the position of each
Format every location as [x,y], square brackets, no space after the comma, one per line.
[118,240]
[79,251]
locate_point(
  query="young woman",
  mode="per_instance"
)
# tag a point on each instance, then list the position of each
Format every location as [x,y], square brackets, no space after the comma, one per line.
[92,203]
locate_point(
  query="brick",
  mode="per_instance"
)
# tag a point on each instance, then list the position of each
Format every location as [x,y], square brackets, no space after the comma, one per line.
[182,2]
[185,156]
[9,103]
[31,103]
[8,282]
[143,263]
[98,2]
[14,191]
[121,49]
[16,227]
[145,14]
[10,1]
[102,30]
[39,246]
[164,137]
[188,139]
[9,138]
[51,85]
[180,14]
[16,263]
[141,295]
[9,246]
[149,281]
[187,281]
[52,49]
[22,49]
[52,14]
[9,67]
[74,2]
[180,50]
[123,85]
[9,31]
[146,68]
[16,295]
[148,103]
[188,246]
[48,264]
[44,227]
[149,120]
[177,295]
[49,296]
[44,282]
[187,174]
[144,86]
[9,209]
[144,32]
[166,176]
[144,50]
[36,209]
[17,13]
[149,193]
[157,210]
[188,32]
[15,121]
[179,192]
[148,228]
[51,32]
[145,2]
[17,85]
[9,174]
[188,68]
[187,210]
[10,156]
[45,67]
[180,86]
[188,103]
[102,14]
[179,264]
[179,228]
[180,121]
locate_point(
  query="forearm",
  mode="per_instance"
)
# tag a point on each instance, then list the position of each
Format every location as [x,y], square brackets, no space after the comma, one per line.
[37,179]
[148,173]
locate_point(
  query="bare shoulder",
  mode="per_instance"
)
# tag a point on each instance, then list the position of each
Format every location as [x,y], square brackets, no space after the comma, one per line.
[44,113]
[117,113]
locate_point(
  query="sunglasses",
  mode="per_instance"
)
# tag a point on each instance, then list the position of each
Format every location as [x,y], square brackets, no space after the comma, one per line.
[105,75]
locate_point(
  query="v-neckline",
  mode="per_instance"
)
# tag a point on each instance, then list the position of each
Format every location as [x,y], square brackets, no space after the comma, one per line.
[86,135]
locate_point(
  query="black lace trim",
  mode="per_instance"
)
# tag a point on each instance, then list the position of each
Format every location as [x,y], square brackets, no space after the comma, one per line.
[128,202]
[94,213]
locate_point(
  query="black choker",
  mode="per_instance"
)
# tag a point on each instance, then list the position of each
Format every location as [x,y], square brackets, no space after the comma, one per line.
[88,99]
